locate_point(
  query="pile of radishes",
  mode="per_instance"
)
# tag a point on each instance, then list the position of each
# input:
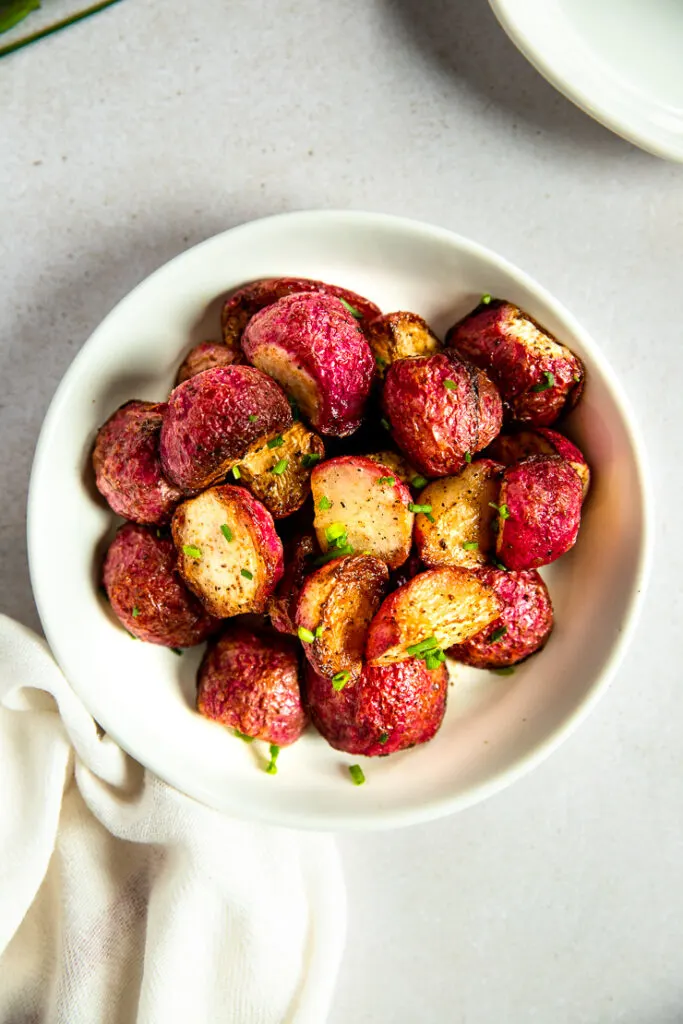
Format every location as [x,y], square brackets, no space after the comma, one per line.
[334,481]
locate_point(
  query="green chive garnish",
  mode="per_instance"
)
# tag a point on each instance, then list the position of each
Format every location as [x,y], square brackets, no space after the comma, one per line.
[426,509]
[506,671]
[176,650]
[247,575]
[275,442]
[383,738]
[468,457]
[549,382]
[356,773]
[243,736]
[191,551]
[433,659]
[318,632]
[390,480]
[485,299]
[253,418]
[498,634]
[305,635]
[136,612]
[335,532]
[470,545]
[226,531]
[324,503]
[380,363]
[417,650]
[236,472]
[340,679]
[352,309]
[499,565]
[385,423]
[502,510]
[271,767]
[418,482]
[310,459]
[346,549]
[279,468]
[450,385]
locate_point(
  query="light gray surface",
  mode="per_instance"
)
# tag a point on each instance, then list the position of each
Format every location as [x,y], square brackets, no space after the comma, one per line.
[153,126]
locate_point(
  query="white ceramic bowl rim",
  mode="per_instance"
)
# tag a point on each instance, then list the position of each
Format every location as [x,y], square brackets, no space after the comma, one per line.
[398,816]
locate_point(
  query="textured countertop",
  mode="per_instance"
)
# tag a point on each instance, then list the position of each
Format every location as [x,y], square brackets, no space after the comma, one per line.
[152,126]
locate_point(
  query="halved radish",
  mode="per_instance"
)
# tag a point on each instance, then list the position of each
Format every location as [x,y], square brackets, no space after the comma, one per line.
[277,469]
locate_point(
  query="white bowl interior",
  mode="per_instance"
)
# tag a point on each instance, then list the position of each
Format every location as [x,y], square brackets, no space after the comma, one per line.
[496,727]
[620,60]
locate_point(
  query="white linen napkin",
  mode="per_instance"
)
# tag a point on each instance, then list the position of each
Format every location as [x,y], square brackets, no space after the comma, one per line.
[123,900]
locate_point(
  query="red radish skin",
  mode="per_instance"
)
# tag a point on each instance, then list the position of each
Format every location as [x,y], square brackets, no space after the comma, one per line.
[250,681]
[509,448]
[299,555]
[316,350]
[206,356]
[385,710]
[542,495]
[127,465]
[146,593]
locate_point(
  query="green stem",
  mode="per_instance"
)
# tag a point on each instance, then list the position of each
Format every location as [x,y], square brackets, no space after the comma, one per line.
[58,25]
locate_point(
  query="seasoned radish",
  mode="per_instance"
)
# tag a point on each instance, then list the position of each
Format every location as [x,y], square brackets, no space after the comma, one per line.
[127,465]
[539,512]
[249,681]
[458,530]
[398,466]
[212,420]
[440,411]
[277,469]
[334,611]
[388,708]
[436,609]
[228,551]
[300,551]
[400,336]
[312,345]
[147,595]
[509,448]
[522,628]
[205,356]
[361,506]
[538,377]
[241,306]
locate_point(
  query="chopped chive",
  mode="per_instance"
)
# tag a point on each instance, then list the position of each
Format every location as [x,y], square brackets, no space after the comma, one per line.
[352,309]
[160,533]
[333,553]
[549,382]
[236,472]
[430,644]
[253,418]
[340,679]
[324,503]
[385,423]
[502,510]
[271,767]
[318,632]
[243,736]
[356,773]
[390,480]
[192,551]
[305,635]
[226,531]
[384,736]
[507,670]
[468,457]
[335,532]
[136,611]
[498,634]
[176,650]
[279,468]
[310,459]
[132,635]
[433,659]
[247,575]
[450,385]
[380,363]
[418,482]
[430,517]
[485,299]
[275,442]
[470,545]
[419,508]
[499,565]
[576,378]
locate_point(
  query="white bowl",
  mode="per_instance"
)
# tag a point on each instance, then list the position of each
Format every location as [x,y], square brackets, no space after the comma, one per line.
[496,728]
[619,60]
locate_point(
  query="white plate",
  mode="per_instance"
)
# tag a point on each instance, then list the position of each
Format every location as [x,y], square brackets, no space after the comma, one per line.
[496,727]
[619,60]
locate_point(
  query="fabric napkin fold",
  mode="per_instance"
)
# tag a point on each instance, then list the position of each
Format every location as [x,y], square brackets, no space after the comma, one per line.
[122,900]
